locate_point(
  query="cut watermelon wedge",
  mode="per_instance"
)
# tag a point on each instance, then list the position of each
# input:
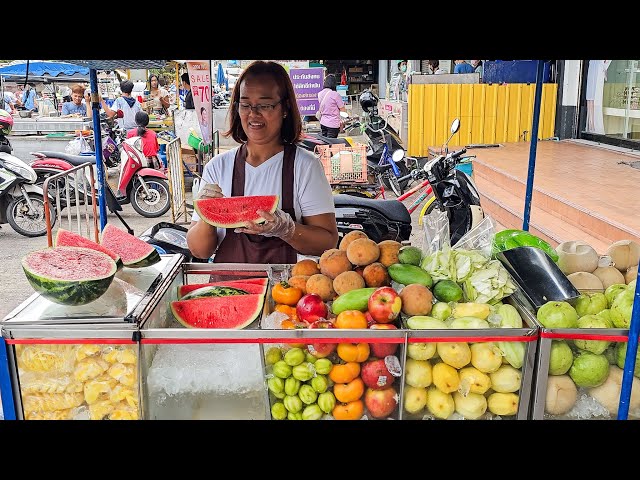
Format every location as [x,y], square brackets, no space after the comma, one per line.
[134,252]
[247,287]
[237,311]
[231,212]
[65,238]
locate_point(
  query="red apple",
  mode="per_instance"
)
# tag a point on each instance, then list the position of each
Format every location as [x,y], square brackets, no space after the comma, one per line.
[376,375]
[381,403]
[370,320]
[384,305]
[311,307]
[381,350]
[321,350]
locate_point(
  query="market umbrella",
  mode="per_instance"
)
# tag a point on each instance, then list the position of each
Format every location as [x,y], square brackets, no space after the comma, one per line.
[221,78]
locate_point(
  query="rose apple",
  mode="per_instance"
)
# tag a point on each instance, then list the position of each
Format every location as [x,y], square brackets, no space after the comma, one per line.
[381,403]
[321,350]
[384,305]
[311,308]
[376,375]
[381,350]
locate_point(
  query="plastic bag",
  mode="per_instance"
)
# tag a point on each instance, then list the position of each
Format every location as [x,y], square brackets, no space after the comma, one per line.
[479,237]
[77,146]
[436,231]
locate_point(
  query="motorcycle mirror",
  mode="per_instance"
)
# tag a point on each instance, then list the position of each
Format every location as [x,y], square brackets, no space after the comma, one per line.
[344,114]
[119,114]
[455,126]
[397,155]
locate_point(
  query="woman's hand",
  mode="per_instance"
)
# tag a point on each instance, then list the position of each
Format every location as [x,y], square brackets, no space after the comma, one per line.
[210,190]
[277,224]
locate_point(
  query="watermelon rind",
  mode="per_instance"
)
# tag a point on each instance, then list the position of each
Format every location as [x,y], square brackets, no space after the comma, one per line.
[214,291]
[248,287]
[234,312]
[232,212]
[122,243]
[67,238]
[71,292]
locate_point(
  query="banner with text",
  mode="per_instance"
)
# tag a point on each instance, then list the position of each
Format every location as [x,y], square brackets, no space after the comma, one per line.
[200,76]
[307,83]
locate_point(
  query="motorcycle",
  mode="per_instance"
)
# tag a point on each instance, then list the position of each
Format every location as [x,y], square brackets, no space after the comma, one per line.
[454,191]
[21,200]
[145,188]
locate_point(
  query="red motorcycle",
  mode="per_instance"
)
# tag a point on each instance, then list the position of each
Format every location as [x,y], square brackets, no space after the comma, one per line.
[141,185]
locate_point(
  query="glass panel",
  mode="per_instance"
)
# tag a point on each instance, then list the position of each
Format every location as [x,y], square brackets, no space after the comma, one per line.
[78,382]
[613,98]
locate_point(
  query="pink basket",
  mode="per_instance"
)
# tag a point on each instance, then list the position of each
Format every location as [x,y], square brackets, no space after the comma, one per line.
[344,164]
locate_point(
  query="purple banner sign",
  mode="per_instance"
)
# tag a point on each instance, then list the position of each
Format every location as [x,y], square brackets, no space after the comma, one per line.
[307,82]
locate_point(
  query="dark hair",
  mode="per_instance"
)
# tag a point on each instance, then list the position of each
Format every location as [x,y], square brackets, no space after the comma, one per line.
[126,86]
[185,78]
[400,62]
[157,78]
[291,124]
[142,120]
[330,82]
[434,64]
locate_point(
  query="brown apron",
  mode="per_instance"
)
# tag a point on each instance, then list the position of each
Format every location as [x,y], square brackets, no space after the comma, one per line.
[245,248]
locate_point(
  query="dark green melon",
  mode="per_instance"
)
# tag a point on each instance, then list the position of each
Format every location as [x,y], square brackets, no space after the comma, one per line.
[69,275]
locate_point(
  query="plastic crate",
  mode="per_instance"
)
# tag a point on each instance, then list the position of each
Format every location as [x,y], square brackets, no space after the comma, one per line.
[344,164]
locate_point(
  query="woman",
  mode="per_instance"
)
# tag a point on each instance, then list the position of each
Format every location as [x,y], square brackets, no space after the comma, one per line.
[265,119]
[330,107]
[158,96]
[148,137]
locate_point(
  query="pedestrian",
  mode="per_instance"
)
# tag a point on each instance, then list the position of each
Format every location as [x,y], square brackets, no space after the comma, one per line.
[149,138]
[477,67]
[462,67]
[265,120]
[434,66]
[158,96]
[129,106]
[188,98]
[331,105]
[29,97]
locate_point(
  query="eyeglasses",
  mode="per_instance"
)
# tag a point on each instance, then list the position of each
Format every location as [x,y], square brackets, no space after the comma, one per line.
[261,108]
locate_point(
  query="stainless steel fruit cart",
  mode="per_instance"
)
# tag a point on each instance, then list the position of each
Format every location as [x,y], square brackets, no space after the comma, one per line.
[82,362]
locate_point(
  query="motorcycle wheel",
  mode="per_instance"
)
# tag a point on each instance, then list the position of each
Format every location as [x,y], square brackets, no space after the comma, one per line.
[29,224]
[160,200]
[389,179]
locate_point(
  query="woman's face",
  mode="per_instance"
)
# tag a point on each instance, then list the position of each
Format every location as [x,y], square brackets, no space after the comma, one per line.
[205,117]
[261,127]
[153,82]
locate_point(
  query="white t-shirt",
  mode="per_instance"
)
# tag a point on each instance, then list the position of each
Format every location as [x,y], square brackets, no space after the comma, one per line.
[128,121]
[312,192]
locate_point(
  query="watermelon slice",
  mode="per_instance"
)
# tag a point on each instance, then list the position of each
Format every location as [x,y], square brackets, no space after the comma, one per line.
[134,252]
[236,311]
[69,275]
[214,291]
[247,287]
[65,238]
[231,212]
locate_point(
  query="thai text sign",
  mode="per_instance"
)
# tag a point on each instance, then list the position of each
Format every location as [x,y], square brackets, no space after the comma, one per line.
[307,82]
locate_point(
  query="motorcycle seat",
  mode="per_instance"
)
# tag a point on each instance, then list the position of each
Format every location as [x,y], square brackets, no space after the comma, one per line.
[72,159]
[392,209]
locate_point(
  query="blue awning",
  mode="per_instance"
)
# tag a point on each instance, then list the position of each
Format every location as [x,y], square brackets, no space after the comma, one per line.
[44,69]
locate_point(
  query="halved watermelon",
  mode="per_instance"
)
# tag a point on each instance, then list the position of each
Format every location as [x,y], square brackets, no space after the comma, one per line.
[236,311]
[134,252]
[214,291]
[69,275]
[65,238]
[230,212]
[247,287]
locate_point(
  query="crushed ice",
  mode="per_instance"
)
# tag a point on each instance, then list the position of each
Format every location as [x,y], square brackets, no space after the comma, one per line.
[587,407]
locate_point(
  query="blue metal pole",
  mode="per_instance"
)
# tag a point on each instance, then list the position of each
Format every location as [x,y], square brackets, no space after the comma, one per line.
[6,391]
[97,137]
[630,358]
[534,145]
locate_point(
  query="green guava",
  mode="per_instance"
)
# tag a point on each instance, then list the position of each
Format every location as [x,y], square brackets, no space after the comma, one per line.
[557,315]
[441,310]
[606,316]
[589,370]
[621,309]
[560,358]
[621,353]
[593,346]
[613,291]
[590,304]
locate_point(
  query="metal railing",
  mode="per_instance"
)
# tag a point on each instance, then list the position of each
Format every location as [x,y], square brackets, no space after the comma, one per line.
[73,191]
[175,175]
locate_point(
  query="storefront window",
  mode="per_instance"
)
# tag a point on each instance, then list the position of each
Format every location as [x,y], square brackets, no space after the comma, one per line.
[613,98]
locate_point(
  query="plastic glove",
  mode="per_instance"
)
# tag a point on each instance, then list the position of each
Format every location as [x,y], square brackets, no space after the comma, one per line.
[277,224]
[210,190]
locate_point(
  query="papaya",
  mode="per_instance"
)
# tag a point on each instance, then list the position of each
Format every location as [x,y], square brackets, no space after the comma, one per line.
[357,299]
[408,274]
